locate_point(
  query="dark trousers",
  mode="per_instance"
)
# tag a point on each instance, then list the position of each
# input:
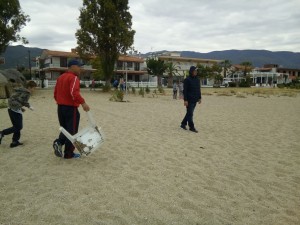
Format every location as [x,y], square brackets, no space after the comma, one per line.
[188,119]
[174,94]
[17,122]
[68,117]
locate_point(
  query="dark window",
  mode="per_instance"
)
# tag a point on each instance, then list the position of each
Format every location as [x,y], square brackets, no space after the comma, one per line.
[137,67]
[63,62]
[119,65]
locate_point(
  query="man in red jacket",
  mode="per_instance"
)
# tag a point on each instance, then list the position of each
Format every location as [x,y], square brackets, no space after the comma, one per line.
[68,98]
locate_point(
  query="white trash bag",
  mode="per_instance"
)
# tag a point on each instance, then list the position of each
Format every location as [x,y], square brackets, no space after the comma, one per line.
[88,139]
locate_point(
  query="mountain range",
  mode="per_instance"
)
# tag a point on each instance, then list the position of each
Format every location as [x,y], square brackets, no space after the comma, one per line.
[19,56]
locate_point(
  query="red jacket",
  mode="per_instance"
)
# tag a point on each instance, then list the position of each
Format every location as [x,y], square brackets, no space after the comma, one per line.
[67,90]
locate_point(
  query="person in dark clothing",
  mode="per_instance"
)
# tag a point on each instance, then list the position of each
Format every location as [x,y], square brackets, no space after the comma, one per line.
[192,96]
[68,98]
[16,102]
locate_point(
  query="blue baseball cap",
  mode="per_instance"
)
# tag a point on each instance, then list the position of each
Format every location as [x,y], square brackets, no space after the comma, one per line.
[74,62]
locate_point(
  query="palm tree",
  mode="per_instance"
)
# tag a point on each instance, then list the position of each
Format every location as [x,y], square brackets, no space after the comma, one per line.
[156,68]
[247,67]
[226,64]
[172,70]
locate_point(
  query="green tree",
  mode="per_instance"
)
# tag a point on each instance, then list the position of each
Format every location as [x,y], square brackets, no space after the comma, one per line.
[156,68]
[171,70]
[98,74]
[215,72]
[105,32]
[12,20]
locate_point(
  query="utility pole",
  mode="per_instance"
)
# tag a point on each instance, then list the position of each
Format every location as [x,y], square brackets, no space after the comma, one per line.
[29,63]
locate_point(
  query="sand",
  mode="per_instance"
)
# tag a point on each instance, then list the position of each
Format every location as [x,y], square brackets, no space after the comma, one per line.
[242,168]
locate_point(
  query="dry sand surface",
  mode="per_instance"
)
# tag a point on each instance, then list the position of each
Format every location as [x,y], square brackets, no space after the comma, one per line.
[242,168]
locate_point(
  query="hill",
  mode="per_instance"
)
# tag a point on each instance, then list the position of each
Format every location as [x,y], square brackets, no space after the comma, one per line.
[18,56]
[258,58]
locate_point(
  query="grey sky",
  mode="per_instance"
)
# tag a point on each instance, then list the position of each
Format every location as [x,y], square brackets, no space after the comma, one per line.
[177,25]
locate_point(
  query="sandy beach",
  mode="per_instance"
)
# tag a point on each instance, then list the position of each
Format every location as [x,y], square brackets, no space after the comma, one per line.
[242,168]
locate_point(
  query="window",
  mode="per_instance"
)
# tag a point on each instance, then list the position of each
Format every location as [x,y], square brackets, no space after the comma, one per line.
[63,62]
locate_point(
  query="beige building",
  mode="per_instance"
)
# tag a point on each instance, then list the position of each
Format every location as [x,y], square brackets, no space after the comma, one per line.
[51,64]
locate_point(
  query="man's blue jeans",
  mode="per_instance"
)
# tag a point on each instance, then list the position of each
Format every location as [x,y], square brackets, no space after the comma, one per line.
[188,119]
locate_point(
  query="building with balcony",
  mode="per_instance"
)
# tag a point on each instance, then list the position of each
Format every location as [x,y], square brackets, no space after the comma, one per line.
[51,64]
[183,64]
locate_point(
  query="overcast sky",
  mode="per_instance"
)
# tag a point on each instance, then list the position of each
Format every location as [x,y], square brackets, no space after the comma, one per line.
[177,25]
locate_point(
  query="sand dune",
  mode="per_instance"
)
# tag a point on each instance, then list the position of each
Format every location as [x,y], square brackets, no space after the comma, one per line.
[243,167]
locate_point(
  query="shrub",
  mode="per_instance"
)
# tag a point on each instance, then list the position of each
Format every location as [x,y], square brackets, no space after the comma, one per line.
[232,84]
[161,90]
[147,90]
[117,96]
[133,90]
[244,84]
[106,88]
[142,92]
[3,104]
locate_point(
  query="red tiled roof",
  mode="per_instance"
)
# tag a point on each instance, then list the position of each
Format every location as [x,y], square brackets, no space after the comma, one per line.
[59,54]
[126,58]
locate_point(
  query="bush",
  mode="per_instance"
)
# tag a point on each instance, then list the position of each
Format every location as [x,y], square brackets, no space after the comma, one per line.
[82,86]
[147,90]
[117,96]
[161,90]
[142,92]
[133,90]
[244,84]
[3,104]
[106,88]
[232,84]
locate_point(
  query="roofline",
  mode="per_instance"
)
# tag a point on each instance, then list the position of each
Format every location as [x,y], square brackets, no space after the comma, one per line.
[190,59]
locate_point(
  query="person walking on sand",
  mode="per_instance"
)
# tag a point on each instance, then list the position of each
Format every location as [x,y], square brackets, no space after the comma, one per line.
[92,85]
[68,98]
[175,88]
[15,111]
[180,87]
[191,95]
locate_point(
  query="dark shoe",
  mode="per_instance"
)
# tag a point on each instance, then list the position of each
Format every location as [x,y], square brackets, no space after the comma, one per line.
[1,136]
[183,127]
[57,149]
[75,156]
[15,144]
[193,130]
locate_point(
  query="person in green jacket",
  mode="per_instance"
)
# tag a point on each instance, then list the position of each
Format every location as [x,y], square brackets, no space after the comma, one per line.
[16,102]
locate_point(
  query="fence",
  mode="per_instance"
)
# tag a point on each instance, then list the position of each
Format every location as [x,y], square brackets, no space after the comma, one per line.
[51,83]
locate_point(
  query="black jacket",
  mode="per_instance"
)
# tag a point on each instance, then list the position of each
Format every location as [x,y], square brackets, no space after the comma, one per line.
[191,90]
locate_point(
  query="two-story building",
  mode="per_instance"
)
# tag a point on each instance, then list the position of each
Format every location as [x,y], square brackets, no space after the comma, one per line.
[273,74]
[183,64]
[52,64]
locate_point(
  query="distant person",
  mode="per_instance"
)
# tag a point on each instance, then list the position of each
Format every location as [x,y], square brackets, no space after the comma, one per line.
[116,84]
[16,102]
[180,88]
[121,84]
[175,89]
[68,98]
[192,95]
[92,85]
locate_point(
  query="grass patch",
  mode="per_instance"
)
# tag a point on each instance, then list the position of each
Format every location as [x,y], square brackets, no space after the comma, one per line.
[3,104]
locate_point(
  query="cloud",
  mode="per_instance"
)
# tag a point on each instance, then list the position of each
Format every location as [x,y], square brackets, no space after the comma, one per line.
[195,25]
